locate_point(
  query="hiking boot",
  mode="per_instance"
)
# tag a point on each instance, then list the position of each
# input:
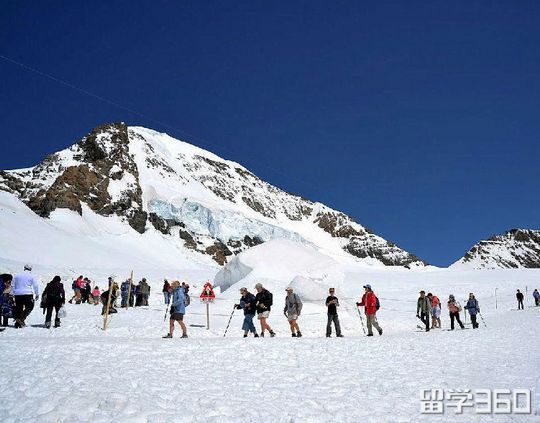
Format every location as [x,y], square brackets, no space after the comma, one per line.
[298,334]
[369,334]
[245,335]
[293,335]
[329,336]
[262,334]
[184,335]
[272,334]
[168,336]
[339,336]
[256,335]
[57,323]
[380,332]
[47,325]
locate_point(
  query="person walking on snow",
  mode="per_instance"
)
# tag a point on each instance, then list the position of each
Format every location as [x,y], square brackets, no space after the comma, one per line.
[519,296]
[6,299]
[178,309]
[369,302]
[332,303]
[454,308]
[26,290]
[473,308]
[264,303]
[166,291]
[435,311]
[55,297]
[124,290]
[423,309]
[145,291]
[536,296]
[292,310]
[248,304]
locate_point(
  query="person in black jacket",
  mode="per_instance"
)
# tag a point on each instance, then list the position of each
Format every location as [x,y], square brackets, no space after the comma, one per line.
[332,303]
[264,300]
[249,304]
[519,296]
[6,299]
[54,297]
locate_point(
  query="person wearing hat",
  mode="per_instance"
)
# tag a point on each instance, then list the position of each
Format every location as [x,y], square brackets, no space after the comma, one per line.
[369,302]
[248,304]
[292,310]
[473,308]
[423,309]
[264,301]
[25,290]
[332,303]
[178,309]
[454,308]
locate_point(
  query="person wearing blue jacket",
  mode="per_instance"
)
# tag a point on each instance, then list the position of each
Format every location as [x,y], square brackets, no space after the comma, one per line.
[473,309]
[178,309]
[6,299]
[248,303]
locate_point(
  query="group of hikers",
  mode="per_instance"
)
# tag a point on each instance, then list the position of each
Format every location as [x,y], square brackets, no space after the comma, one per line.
[19,293]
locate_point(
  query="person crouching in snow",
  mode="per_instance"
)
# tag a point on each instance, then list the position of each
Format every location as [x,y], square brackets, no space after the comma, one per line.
[473,308]
[369,301]
[248,304]
[178,309]
[454,308]
[435,311]
[54,297]
[292,310]
[264,303]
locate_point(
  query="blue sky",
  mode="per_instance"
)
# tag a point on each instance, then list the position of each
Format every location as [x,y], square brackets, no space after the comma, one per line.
[419,119]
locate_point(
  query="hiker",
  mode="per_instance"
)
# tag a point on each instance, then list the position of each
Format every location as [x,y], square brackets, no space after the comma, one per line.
[264,303]
[473,308]
[292,310]
[248,304]
[85,293]
[76,286]
[96,294]
[178,309]
[519,296]
[454,308]
[166,291]
[423,309]
[6,299]
[124,291]
[536,296]
[25,289]
[54,298]
[370,304]
[435,311]
[113,287]
[144,292]
[332,303]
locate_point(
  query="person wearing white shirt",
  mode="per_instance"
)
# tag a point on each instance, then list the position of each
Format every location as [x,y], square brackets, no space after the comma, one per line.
[25,289]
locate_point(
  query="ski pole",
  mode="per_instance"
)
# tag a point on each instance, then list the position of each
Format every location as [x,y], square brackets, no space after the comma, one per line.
[361,319]
[230,318]
[482,317]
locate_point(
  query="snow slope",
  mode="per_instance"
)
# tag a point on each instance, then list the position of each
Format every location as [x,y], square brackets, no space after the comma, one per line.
[130,374]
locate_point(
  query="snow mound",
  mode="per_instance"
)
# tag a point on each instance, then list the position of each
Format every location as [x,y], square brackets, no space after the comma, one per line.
[281,260]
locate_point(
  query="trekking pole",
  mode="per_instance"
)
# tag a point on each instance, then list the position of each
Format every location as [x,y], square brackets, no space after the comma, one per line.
[361,319]
[106,318]
[482,317]
[230,318]
[167,310]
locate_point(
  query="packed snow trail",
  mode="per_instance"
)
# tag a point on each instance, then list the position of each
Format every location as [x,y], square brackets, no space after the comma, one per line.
[129,374]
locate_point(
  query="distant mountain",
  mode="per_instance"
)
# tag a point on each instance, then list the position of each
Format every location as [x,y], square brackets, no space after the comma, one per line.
[513,249]
[215,207]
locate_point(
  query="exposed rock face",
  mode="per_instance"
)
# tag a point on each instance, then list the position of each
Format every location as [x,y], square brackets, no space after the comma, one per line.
[212,206]
[513,249]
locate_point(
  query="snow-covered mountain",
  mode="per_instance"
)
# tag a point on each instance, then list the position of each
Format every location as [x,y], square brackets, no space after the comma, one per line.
[513,249]
[190,197]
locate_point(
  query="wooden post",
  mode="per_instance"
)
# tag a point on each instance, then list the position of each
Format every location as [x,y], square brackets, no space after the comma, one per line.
[207,315]
[106,318]
[129,290]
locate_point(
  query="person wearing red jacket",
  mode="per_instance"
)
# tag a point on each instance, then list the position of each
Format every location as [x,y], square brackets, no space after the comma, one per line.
[369,302]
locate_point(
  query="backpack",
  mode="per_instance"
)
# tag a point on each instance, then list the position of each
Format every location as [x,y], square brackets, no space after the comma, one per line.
[271,298]
[74,285]
[187,299]
[377,303]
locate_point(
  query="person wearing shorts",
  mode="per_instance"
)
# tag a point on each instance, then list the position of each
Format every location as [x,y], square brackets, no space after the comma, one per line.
[263,303]
[178,309]
[292,310]
[435,311]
